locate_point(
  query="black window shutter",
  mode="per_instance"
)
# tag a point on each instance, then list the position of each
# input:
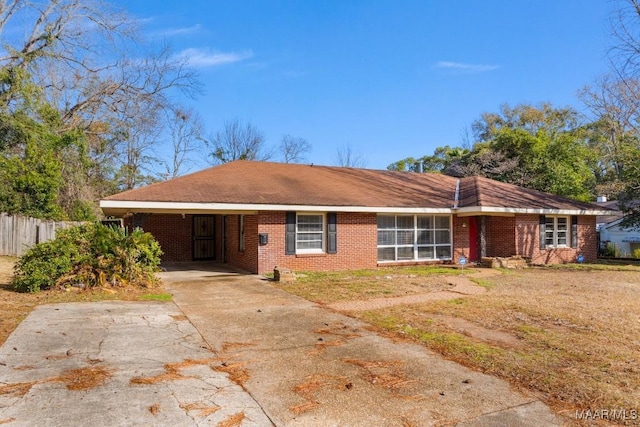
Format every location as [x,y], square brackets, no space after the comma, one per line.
[543,223]
[290,234]
[574,231]
[332,233]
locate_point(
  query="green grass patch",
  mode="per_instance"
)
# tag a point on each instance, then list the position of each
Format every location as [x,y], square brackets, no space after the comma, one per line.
[602,265]
[157,297]
[457,301]
[444,342]
[416,270]
[452,343]
[482,282]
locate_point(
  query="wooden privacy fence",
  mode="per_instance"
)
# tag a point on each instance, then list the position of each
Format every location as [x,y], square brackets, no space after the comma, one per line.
[19,233]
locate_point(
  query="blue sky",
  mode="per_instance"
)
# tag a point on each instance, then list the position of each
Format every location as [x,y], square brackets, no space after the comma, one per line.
[390,79]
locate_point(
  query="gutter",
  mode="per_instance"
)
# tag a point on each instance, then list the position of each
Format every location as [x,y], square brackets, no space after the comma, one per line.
[456,199]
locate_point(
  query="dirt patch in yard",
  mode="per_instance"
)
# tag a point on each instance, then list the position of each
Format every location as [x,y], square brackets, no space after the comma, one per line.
[474,330]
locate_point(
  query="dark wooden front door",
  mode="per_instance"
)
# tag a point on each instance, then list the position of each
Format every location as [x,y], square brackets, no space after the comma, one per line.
[204,237]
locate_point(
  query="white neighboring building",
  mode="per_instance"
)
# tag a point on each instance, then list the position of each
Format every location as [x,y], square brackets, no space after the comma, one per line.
[610,230]
[627,239]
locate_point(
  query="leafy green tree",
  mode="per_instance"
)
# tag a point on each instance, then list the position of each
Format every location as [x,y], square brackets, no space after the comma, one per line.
[442,158]
[29,183]
[540,147]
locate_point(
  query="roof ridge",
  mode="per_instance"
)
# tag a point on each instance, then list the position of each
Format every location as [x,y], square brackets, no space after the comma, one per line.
[477,189]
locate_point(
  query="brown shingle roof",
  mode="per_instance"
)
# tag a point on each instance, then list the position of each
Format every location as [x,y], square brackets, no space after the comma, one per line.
[243,182]
[485,192]
[247,182]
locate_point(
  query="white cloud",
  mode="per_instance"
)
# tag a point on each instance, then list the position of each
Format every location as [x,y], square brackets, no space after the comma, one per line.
[182,31]
[203,58]
[471,68]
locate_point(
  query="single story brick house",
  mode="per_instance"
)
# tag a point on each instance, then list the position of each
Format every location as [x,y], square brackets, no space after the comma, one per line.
[259,215]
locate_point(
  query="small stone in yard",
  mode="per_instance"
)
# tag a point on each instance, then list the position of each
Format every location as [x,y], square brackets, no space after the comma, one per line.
[466,381]
[442,393]
[259,311]
[283,275]
[348,386]
[320,339]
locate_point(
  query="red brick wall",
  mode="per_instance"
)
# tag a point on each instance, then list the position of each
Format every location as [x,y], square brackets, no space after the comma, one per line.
[519,235]
[528,241]
[357,241]
[501,236]
[357,245]
[172,232]
[461,242]
[247,259]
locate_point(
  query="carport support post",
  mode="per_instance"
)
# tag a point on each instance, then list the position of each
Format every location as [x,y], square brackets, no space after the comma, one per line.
[483,236]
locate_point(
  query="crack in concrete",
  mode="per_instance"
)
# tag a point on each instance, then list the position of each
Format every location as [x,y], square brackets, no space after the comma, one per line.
[497,411]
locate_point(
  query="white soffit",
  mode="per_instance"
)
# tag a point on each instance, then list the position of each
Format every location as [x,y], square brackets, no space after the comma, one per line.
[119,207]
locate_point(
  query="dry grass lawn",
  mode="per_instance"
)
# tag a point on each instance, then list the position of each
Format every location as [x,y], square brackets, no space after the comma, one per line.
[15,306]
[576,330]
[329,287]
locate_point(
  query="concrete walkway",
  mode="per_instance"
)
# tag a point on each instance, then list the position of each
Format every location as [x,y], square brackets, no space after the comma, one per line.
[309,366]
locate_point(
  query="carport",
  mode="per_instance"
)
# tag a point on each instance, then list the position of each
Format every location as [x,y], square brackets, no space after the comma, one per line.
[199,270]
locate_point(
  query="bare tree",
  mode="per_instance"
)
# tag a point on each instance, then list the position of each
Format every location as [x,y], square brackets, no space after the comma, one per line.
[624,54]
[615,105]
[293,149]
[346,156]
[186,138]
[136,137]
[238,141]
[85,59]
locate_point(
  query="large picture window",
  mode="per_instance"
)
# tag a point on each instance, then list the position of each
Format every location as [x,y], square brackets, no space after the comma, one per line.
[414,237]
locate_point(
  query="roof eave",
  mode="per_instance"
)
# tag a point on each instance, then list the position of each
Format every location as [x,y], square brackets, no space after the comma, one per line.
[121,208]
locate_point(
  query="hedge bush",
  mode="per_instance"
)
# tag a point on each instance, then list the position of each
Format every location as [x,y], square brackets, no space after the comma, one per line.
[90,255]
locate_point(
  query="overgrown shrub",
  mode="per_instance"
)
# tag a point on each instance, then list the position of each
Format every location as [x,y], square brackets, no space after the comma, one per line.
[91,255]
[612,250]
[636,253]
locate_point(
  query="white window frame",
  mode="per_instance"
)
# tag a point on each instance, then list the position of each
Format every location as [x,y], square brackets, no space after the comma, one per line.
[322,233]
[434,229]
[555,232]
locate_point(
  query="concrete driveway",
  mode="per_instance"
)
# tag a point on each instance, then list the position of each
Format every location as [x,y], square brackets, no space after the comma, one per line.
[235,350]
[309,366]
[116,364]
